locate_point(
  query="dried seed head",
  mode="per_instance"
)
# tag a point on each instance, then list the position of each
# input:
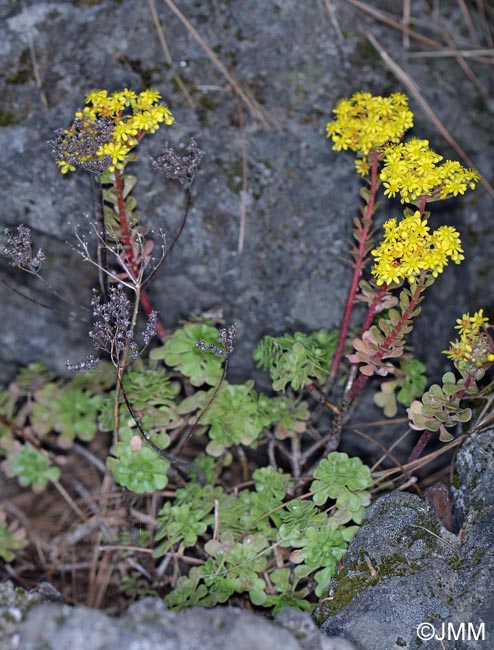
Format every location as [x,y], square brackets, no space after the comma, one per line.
[226,337]
[177,167]
[19,250]
[89,363]
[78,146]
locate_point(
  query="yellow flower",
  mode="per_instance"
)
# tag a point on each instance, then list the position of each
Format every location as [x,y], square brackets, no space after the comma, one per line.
[411,170]
[144,121]
[117,152]
[366,122]
[409,249]
[163,114]
[125,132]
[468,325]
[474,347]
[146,99]
[125,114]
[65,167]
[97,97]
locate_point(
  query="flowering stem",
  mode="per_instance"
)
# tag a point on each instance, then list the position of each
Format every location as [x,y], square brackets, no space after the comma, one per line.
[390,339]
[360,257]
[129,253]
[420,446]
[365,326]
[422,204]
[372,308]
[121,365]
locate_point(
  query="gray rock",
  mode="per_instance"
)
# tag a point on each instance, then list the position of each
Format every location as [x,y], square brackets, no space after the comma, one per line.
[404,569]
[148,625]
[15,604]
[301,195]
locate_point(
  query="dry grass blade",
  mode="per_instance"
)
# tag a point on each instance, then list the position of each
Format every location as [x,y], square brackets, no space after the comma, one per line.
[481,55]
[407,14]
[485,23]
[69,500]
[254,107]
[413,89]
[334,20]
[34,60]
[469,22]
[463,64]
[245,185]
[386,474]
[386,452]
[388,20]
[168,57]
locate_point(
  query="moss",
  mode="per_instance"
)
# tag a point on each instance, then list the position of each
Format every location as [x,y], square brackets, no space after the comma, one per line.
[365,53]
[477,556]
[205,105]
[234,177]
[7,118]
[24,71]
[456,562]
[457,482]
[348,585]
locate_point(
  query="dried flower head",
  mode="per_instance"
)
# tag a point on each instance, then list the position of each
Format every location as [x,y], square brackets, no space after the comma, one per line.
[176,167]
[79,145]
[107,128]
[19,250]
[112,331]
[150,330]
[89,363]
[226,338]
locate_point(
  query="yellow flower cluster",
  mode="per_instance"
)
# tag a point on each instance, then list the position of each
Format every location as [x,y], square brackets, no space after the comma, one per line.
[366,122]
[411,170]
[409,249]
[474,347]
[130,116]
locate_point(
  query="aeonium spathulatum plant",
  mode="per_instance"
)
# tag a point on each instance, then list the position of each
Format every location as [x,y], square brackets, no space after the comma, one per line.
[411,253]
[441,408]
[101,140]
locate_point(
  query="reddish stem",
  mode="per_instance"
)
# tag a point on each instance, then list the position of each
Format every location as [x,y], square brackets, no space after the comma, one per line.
[420,446]
[387,343]
[129,254]
[357,269]
[372,308]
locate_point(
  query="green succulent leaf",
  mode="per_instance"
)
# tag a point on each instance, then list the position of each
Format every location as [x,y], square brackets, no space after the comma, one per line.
[181,524]
[233,416]
[32,468]
[12,539]
[33,377]
[338,475]
[180,352]
[141,470]
[72,412]
[298,359]
[290,417]
[296,517]
[190,591]
[408,384]
[322,547]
